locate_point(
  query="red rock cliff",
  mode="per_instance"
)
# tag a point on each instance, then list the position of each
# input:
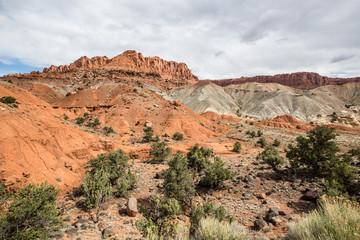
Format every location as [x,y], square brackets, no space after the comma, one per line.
[130,60]
[300,80]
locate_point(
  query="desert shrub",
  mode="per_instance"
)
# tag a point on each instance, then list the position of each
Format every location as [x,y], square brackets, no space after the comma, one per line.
[159,218]
[94,124]
[199,157]
[178,182]
[271,157]
[148,134]
[216,174]
[178,136]
[79,120]
[336,218]
[115,163]
[259,133]
[208,209]
[317,152]
[355,152]
[86,115]
[252,134]
[251,123]
[66,117]
[97,188]
[8,100]
[276,143]
[248,132]
[341,179]
[262,142]
[10,81]
[33,214]
[237,147]
[5,195]
[125,183]
[212,229]
[160,152]
[108,130]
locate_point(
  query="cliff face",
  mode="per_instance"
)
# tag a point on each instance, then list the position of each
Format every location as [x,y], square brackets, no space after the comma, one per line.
[131,60]
[300,80]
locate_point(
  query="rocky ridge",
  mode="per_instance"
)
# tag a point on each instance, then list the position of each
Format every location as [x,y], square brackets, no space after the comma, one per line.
[130,60]
[299,80]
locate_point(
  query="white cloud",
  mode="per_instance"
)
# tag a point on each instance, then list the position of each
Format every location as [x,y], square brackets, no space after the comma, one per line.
[217,39]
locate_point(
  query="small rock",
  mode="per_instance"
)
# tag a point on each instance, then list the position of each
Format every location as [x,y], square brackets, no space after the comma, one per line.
[262,196]
[109,231]
[271,215]
[260,224]
[276,221]
[131,209]
[282,213]
[148,124]
[310,196]
[159,175]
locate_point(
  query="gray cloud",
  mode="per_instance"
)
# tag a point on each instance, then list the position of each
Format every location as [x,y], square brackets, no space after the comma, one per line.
[342,57]
[259,37]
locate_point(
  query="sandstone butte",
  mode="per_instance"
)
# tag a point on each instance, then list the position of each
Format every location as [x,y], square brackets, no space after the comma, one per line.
[130,60]
[299,80]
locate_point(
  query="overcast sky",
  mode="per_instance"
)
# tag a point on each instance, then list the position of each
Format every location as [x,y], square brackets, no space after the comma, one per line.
[216,39]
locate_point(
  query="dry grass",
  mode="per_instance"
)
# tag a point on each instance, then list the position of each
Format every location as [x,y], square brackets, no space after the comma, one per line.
[212,229]
[336,219]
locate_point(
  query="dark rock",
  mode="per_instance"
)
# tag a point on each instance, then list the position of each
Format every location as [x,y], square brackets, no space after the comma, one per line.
[260,224]
[310,196]
[159,175]
[282,213]
[276,221]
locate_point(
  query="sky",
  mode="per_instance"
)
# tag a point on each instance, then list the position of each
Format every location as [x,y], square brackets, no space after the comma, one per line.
[217,39]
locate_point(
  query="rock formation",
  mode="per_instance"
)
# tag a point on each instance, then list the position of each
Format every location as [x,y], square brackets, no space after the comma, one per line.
[130,60]
[299,80]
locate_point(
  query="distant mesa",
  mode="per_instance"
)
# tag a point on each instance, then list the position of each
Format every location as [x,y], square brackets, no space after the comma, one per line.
[130,60]
[299,80]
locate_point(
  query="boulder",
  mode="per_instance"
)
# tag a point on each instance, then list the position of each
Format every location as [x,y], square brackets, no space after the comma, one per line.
[131,209]
[260,224]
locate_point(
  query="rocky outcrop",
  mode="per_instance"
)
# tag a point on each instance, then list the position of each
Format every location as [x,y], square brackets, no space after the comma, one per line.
[131,60]
[299,80]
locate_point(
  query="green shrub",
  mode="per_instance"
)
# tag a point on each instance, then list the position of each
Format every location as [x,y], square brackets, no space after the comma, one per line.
[66,117]
[262,142]
[208,209]
[341,179]
[178,182]
[94,124]
[115,163]
[160,152]
[276,143]
[125,184]
[198,157]
[216,174]
[79,120]
[213,229]
[5,195]
[116,166]
[251,123]
[271,157]
[159,216]
[252,134]
[317,152]
[335,219]
[108,130]
[259,133]
[178,136]
[237,147]
[97,188]
[148,134]
[8,100]
[33,214]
